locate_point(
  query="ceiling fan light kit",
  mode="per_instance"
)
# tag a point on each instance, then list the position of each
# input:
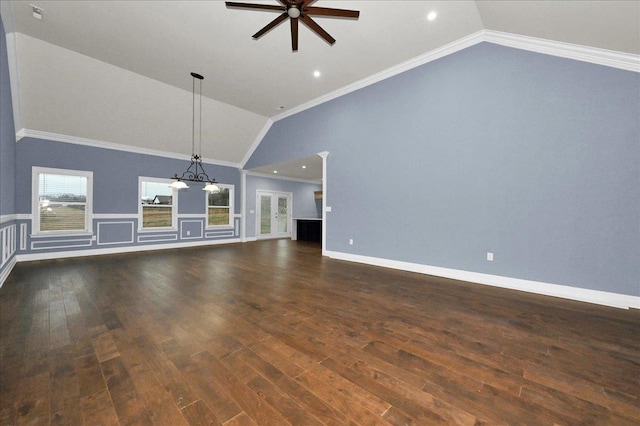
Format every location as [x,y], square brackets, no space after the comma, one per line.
[300,10]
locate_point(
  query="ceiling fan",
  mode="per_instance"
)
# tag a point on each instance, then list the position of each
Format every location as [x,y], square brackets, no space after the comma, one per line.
[297,10]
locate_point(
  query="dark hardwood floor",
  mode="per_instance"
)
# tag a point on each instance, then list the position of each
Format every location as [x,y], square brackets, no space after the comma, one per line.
[271,333]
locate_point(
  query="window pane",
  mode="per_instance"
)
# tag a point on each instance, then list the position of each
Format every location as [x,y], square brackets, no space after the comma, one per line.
[218,216]
[61,217]
[283,217]
[156,193]
[265,214]
[219,198]
[62,188]
[156,217]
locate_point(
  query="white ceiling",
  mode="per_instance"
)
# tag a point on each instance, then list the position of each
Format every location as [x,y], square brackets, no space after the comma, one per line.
[147,50]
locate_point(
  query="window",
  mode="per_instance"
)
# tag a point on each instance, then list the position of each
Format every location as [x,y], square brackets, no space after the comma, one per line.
[220,206]
[62,201]
[158,204]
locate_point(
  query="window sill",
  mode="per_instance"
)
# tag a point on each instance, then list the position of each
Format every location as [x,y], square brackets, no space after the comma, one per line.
[61,234]
[214,227]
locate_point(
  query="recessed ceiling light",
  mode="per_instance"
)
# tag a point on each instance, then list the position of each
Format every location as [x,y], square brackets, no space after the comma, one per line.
[275,171]
[281,107]
[304,167]
[432,15]
[316,73]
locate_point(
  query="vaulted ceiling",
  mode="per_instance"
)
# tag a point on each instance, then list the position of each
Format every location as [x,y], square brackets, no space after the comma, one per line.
[118,71]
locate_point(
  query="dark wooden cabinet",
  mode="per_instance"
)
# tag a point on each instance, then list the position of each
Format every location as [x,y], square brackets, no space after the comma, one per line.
[309,230]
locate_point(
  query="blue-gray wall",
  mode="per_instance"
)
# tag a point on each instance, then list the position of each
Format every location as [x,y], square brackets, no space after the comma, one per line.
[7,165]
[7,134]
[304,203]
[115,192]
[532,157]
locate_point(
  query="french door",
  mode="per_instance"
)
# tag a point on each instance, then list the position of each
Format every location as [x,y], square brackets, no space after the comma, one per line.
[274,214]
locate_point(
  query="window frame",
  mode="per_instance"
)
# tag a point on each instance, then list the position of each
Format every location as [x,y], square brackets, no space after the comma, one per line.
[174,205]
[36,171]
[231,223]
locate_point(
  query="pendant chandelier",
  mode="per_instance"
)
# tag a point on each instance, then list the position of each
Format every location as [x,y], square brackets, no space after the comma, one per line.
[195,172]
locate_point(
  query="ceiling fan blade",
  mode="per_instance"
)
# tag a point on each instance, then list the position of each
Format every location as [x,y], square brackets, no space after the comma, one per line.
[279,20]
[327,11]
[294,35]
[254,6]
[316,28]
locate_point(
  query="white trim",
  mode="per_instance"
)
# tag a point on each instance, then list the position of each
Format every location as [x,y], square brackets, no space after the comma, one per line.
[7,270]
[274,176]
[231,206]
[56,235]
[14,77]
[23,236]
[277,194]
[117,250]
[324,155]
[192,216]
[158,237]
[36,171]
[594,55]
[100,216]
[199,221]
[37,134]
[8,236]
[81,242]
[432,55]
[565,292]
[8,218]
[23,216]
[131,222]
[256,142]
[220,233]
[621,60]
[250,239]
[174,205]
[243,206]
[237,215]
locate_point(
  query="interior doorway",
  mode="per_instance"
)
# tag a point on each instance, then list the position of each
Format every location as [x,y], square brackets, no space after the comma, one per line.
[274,218]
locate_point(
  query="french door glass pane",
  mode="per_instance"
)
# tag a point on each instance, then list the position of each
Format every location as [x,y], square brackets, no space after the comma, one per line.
[282,214]
[265,214]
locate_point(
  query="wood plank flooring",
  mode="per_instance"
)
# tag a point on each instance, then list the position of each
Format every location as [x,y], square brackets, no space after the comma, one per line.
[271,333]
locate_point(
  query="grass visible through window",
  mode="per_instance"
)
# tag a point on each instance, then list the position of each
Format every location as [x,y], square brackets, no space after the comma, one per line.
[62,218]
[156,217]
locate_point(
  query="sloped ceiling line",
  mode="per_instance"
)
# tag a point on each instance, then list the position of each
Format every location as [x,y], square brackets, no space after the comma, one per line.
[625,61]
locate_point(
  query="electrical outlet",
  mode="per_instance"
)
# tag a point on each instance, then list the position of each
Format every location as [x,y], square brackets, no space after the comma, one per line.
[490,256]
[350,241]
[188,233]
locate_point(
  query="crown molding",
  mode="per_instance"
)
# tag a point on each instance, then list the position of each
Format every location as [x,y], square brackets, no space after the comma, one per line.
[256,142]
[37,134]
[594,55]
[621,60]
[432,55]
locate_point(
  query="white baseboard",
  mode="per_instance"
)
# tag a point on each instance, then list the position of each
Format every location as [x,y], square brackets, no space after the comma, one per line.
[117,250]
[249,239]
[5,273]
[615,300]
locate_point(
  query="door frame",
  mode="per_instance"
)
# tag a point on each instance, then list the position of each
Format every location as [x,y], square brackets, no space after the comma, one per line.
[289,196]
